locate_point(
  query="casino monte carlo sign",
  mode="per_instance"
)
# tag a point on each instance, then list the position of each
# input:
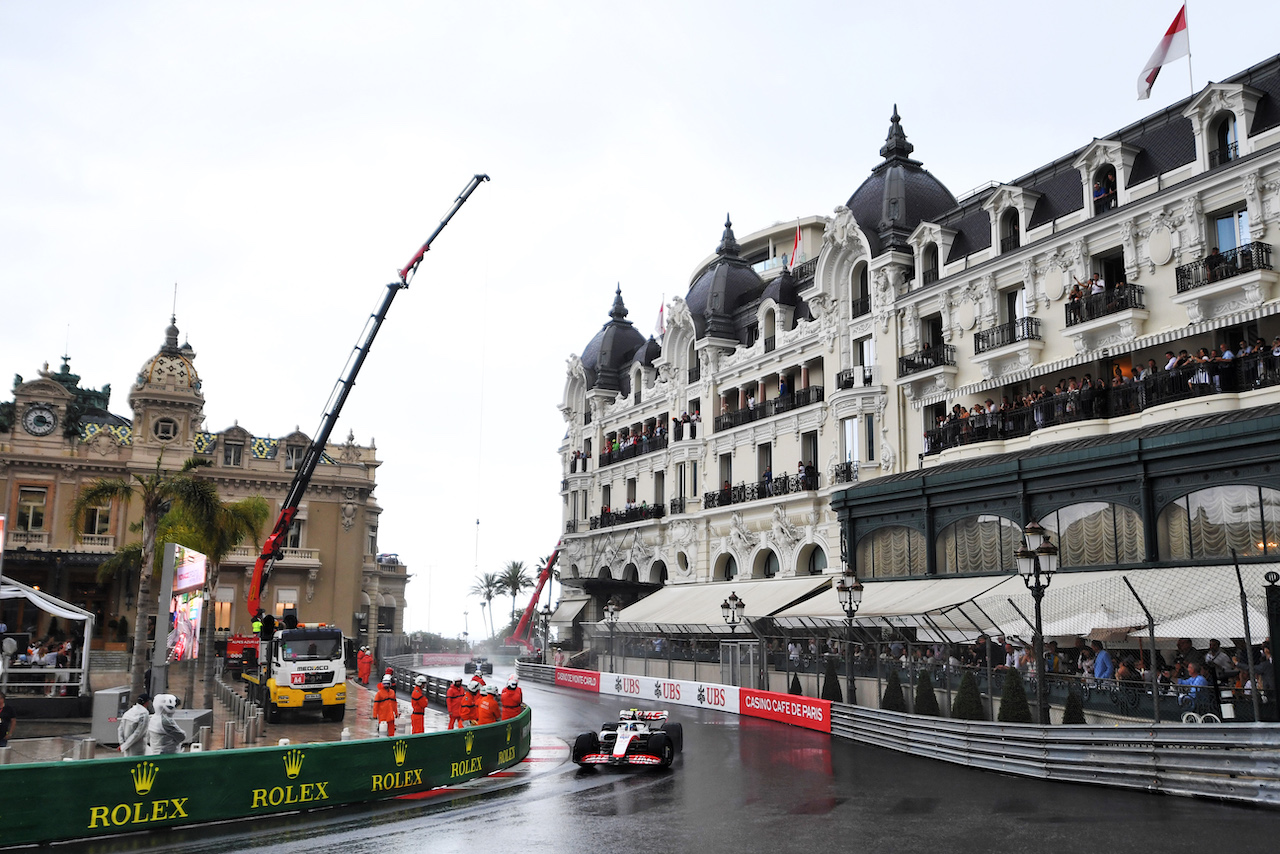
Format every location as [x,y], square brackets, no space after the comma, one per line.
[128,794]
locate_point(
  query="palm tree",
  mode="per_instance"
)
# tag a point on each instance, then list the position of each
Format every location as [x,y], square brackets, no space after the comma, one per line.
[158,491]
[514,578]
[487,586]
[232,523]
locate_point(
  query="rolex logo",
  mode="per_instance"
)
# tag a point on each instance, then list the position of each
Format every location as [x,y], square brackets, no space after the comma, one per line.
[293,763]
[469,739]
[144,774]
[508,733]
[400,749]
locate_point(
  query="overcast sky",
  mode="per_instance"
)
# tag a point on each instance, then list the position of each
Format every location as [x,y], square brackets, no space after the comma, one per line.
[280,161]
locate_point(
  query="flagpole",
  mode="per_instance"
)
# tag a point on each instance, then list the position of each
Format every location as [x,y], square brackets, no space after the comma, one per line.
[1186,19]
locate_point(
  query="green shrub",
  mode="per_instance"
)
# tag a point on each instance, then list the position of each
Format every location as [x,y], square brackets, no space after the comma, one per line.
[893,700]
[926,700]
[795,685]
[1074,712]
[967,703]
[831,683]
[1013,700]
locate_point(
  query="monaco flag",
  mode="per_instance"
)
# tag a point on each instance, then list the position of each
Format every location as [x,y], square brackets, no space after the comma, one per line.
[795,249]
[1175,45]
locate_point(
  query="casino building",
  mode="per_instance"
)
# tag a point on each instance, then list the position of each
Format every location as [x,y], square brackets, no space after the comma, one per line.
[912,392]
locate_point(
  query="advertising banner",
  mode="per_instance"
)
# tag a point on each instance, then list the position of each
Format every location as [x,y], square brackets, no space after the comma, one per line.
[704,695]
[189,569]
[787,708]
[583,680]
[126,794]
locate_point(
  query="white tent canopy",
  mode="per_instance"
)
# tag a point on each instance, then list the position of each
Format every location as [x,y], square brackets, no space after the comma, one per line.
[696,607]
[11,589]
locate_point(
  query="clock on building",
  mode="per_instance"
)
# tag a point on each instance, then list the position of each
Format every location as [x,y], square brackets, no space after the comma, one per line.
[39,420]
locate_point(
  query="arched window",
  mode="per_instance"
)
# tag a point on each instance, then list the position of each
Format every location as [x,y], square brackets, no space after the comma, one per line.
[929,262]
[1104,189]
[728,569]
[891,552]
[978,544]
[1096,533]
[631,573]
[658,573]
[1226,146]
[766,565]
[1009,230]
[816,561]
[860,292]
[770,331]
[1211,522]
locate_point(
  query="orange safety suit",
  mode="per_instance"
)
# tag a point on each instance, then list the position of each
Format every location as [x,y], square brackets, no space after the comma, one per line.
[468,705]
[363,661]
[512,701]
[453,702]
[487,709]
[419,701]
[385,707]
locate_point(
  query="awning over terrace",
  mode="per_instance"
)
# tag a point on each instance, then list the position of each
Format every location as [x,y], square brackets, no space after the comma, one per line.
[695,608]
[566,612]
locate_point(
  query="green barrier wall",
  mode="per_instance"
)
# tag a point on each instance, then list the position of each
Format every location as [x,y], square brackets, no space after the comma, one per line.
[51,801]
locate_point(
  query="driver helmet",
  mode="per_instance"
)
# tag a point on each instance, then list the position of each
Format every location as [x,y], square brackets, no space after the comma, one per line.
[512,681]
[421,680]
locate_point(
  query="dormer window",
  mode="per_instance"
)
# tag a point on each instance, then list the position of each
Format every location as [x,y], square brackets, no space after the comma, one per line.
[1104,189]
[293,455]
[232,453]
[929,259]
[1010,238]
[166,430]
[1226,145]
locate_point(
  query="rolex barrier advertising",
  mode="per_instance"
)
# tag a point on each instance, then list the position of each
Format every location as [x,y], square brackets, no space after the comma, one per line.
[127,794]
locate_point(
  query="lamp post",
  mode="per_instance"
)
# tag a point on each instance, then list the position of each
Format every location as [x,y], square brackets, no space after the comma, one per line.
[546,630]
[849,589]
[1037,561]
[611,610]
[731,609]
[466,637]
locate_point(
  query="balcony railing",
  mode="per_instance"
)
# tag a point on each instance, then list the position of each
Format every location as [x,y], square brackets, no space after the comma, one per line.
[644,445]
[804,271]
[784,403]
[846,472]
[578,462]
[770,344]
[1008,244]
[928,277]
[1022,329]
[1224,265]
[677,506]
[1115,300]
[926,359]
[1256,370]
[564,484]
[97,543]
[695,373]
[860,306]
[248,553]
[28,539]
[622,517]
[571,527]
[1226,154]
[863,375]
[743,492]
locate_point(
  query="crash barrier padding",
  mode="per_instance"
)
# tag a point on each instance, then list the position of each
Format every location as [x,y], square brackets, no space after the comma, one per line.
[127,794]
[799,711]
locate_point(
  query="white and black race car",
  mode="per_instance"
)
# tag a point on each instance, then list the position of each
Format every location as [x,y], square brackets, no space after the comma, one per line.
[631,741]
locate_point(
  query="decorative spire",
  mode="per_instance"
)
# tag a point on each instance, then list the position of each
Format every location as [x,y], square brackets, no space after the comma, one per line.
[619,311]
[728,243]
[896,146]
[171,336]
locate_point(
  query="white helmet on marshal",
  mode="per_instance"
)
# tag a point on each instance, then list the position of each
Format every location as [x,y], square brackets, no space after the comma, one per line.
[473,686]
[386,680]
[421,680]
[512,681]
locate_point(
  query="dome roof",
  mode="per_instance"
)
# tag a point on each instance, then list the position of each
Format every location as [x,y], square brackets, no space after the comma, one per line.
[782,289]
[650,351]
[727,285]
[899,194]
[171,367]
[607,355]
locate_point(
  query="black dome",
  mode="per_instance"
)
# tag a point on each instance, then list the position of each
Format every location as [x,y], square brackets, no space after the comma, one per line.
[614,347]
[727,285]
[782,289]
[899,195]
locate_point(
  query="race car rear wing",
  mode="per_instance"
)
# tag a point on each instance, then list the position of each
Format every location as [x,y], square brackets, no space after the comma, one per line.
[641,715]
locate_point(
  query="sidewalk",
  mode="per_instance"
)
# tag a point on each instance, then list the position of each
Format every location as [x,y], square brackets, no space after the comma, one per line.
[53,740]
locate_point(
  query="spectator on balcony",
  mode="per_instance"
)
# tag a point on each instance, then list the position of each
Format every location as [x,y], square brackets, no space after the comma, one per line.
[1199,382]
[1099,197]
[768,480]
[1119,296]
[782,387]
[1214,265]
[693,424]
[1195,680]
[751,401]
[1074,303]
[1170,360]
[1103,666]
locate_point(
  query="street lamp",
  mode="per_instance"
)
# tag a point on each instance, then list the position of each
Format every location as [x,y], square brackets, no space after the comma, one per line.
[466,638]
[1037,561]
[546,630]
[731,609]
[611,610]
[849,589]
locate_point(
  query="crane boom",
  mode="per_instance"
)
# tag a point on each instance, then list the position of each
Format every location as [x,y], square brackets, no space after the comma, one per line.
[273,546]
[521,635]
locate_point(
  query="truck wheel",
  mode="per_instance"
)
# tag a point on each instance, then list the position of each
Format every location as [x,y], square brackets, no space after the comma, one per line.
[273,713]
[676,732]
[333,713]
[584,745]
[661,747]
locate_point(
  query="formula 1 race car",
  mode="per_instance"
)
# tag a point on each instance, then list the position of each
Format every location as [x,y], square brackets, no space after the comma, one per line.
[631,741]
[478,664]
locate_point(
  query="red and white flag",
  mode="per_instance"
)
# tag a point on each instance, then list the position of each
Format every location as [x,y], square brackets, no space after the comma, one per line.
[795,250]
[1175,45]
[660,328]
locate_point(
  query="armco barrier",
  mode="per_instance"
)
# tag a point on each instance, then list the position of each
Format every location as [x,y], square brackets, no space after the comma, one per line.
[126,794]
[1231,762]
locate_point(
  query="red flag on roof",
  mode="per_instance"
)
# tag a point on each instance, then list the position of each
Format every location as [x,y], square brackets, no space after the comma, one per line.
[795,249]
[1175,45]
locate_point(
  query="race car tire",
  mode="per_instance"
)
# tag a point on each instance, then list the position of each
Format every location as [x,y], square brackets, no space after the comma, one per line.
[584,745]
[487,668]
[676,733]
[660,746]
[469,667]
